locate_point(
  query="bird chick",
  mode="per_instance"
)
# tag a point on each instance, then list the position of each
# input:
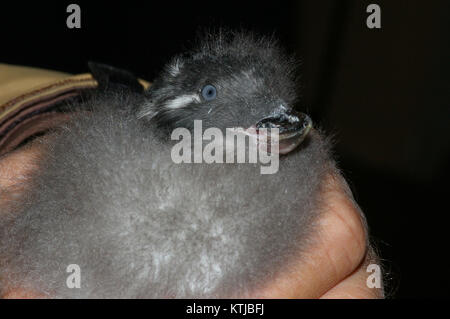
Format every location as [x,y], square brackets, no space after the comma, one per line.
[109,198]
[233,80]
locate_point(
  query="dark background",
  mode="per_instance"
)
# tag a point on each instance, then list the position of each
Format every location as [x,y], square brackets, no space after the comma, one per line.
[383,93]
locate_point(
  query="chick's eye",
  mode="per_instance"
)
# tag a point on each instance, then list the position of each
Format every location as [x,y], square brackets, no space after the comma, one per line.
[209,92]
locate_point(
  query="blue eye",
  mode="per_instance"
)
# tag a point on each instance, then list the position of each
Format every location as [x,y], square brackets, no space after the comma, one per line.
[209,92]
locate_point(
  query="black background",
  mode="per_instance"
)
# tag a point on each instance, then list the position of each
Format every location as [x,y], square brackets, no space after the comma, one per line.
[384,94]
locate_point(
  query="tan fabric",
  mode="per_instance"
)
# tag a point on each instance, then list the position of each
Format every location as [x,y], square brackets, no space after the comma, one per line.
[21,85]
[16,80]
[26,99]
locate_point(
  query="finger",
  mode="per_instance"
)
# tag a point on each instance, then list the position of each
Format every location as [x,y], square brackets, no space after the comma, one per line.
[339,248]
[15,168]
[17,164]
[355,285]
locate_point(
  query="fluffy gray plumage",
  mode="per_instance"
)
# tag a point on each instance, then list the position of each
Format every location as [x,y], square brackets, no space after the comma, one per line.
[109,198]
[253,77]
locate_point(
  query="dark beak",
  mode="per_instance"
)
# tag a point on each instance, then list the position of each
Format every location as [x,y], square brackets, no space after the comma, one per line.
[293,128]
